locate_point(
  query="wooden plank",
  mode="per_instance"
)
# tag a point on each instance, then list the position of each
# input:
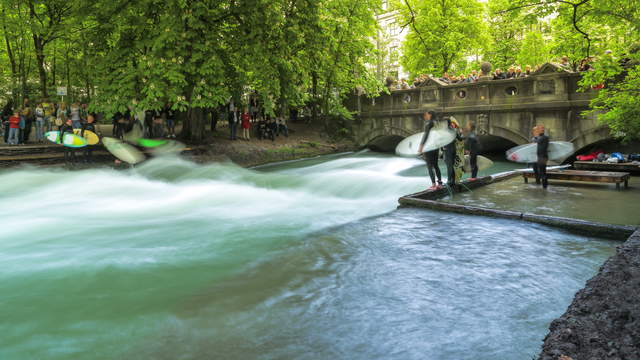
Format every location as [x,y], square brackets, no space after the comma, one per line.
[590,176]
[604,166]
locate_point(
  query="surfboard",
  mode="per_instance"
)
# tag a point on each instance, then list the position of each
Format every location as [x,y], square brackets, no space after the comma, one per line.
[134,135]
[92,138]
[123,151]
[439,136]
[74,141]
[53,136]
[170,148]
[527,153]
[152,143]
[459,162]
[70,140]
[483,163]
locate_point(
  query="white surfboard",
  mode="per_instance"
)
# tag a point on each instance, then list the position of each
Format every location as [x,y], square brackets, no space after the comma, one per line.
[527,153]
[483,163]
[123,151]
[438,137]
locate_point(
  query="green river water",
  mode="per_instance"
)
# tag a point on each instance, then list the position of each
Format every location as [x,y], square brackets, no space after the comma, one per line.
[300,260]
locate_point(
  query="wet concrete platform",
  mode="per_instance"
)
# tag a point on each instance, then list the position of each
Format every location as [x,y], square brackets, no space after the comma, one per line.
[596,202]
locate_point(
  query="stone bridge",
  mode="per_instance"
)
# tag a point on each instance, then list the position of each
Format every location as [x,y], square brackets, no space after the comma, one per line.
[506,109]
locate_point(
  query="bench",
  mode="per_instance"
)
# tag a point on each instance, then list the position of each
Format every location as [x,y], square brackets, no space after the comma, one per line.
[581,175]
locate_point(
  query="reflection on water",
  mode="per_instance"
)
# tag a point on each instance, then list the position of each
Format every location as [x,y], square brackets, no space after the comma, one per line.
[307,259]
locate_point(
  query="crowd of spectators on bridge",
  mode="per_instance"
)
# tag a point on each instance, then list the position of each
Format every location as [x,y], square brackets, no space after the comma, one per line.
[513,72]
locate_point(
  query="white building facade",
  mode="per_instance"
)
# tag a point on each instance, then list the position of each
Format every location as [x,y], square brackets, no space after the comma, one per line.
[391,35]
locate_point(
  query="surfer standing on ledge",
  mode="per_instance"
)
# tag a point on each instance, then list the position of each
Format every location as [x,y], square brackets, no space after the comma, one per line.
[472,147]
[540,167]
[451,156]
[431,157]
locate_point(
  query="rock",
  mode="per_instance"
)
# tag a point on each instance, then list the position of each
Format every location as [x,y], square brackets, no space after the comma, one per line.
[603,321]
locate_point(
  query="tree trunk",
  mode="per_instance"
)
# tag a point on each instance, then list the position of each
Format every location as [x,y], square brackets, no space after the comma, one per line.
[12,61]
[39,47]
[53,68]
[193,125]
[314,98]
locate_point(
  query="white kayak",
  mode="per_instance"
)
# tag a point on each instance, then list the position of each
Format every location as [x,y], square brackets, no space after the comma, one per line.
[527,153]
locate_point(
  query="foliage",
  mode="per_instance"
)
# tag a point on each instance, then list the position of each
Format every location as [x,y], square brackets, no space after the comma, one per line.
[194,54]
[441,32]
[533,49]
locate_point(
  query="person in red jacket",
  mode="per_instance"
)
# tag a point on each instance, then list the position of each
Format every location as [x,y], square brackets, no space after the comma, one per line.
[14,128]
[246,124]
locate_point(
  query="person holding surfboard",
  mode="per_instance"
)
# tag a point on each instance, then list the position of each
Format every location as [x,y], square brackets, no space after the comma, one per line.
[540,167]
[88,126]
[69,153]
[431,157]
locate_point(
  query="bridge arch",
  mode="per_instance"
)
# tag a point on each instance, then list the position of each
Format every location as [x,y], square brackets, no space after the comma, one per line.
[384,132]
[591,137]
[508,134]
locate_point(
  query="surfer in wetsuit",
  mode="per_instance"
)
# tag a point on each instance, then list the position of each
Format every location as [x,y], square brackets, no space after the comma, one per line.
[431,157]
[540,167]
[69,153]
[88,126]
[472,147]
[450,154]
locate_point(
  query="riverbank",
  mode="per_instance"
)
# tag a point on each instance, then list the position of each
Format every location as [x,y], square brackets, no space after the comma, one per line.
[304,140]
[603,321]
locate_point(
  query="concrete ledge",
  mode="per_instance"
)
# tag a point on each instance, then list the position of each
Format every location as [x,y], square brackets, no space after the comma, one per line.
[603,321]
[429,200]
[618,232]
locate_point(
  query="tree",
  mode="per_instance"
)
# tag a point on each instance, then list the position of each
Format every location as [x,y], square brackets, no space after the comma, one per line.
[506,30]
[440,33]
[533,50]
[200,54]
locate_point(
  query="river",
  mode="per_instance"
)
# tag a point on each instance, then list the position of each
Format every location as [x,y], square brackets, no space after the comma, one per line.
[299,260]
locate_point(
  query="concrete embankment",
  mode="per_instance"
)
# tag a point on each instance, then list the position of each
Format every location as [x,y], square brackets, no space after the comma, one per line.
[603,321]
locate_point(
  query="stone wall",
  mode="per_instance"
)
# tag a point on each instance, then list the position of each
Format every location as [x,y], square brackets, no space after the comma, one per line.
[505,108]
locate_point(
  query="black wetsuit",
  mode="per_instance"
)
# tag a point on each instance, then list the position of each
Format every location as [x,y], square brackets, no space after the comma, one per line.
[472,145]
[89,148]
[450,160]
[540,168]
[431,157]
[69,153]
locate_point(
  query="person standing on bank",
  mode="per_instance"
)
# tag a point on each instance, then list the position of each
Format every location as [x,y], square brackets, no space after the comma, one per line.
[233,122]
[88,126]
[69,153]
[430,157]
[246,124]
[472,147]
[450,154]
[540,167]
